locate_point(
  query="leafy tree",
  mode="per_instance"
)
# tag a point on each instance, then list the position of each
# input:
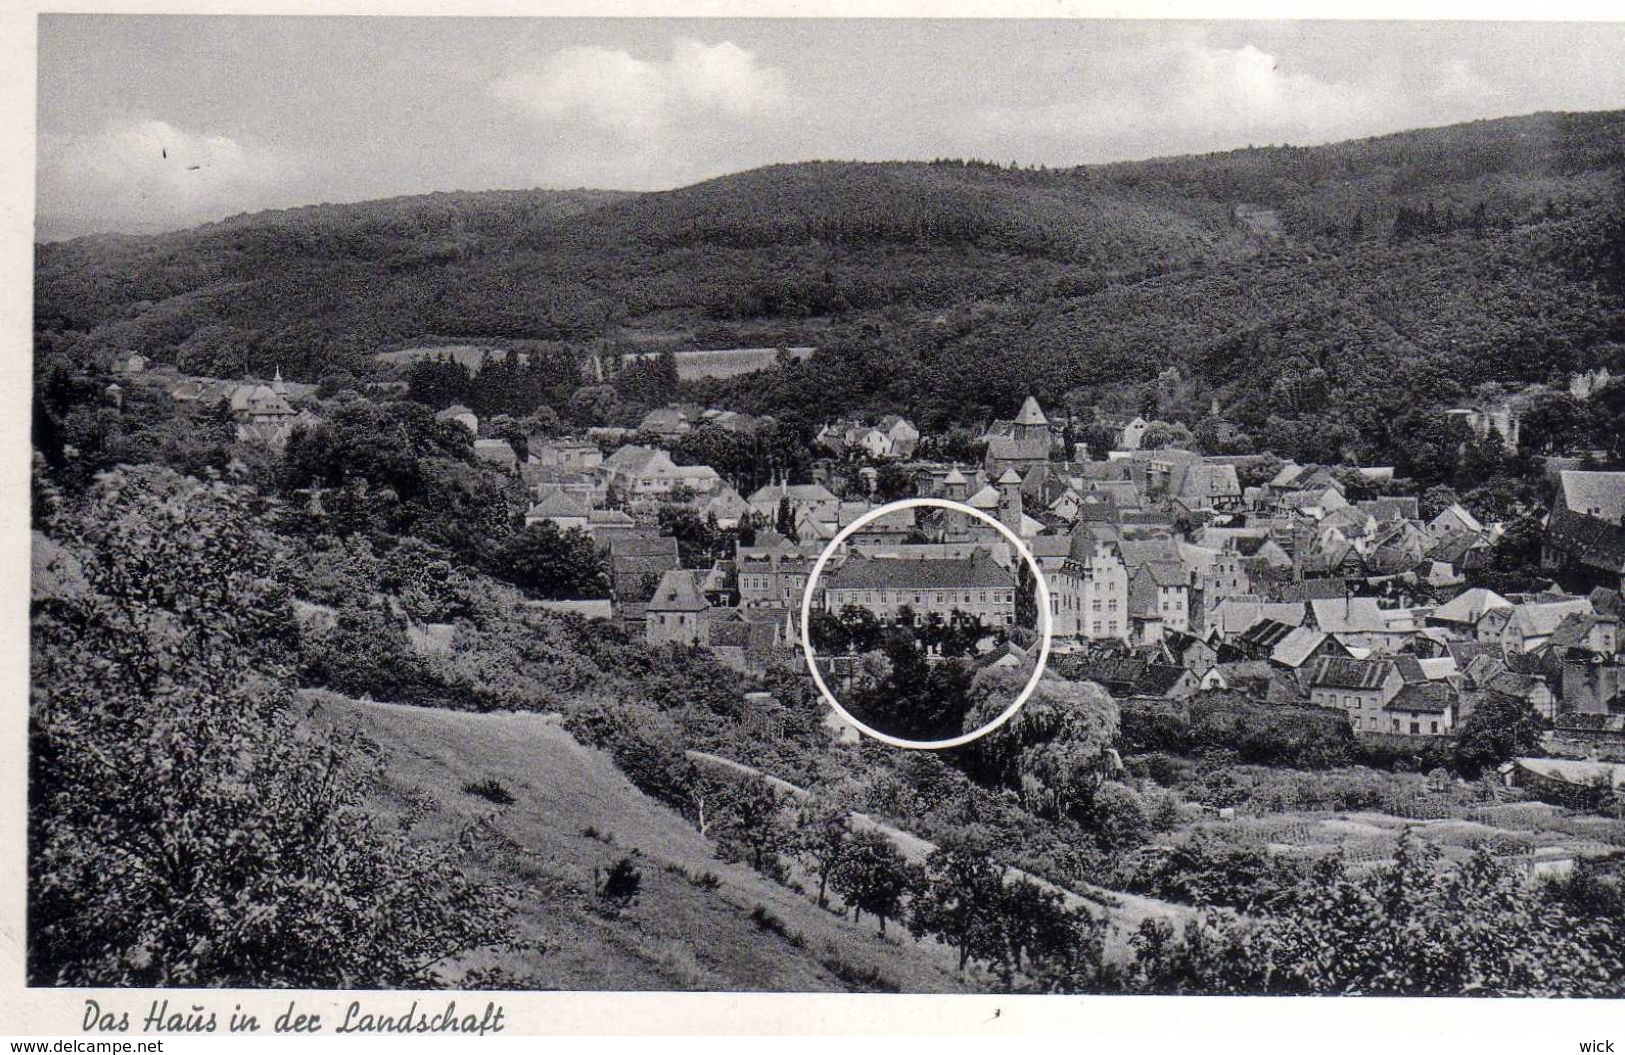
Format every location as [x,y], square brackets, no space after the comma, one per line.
[595,405]
[1415,927]
[188,826]
[1052,752]
[874,877]
[1060,948]
[439,381]
[751,823]
[700,543]
[1162,434]
[784,521]
[1500,727]
[824,838]
[551,563]
[1514,562]
[915,699]
[1117,817]
[959,900]
[893,482]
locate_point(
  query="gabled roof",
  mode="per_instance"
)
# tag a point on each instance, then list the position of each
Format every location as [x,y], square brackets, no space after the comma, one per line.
[1592,540]
[1422,698]
[495,451]
[678,592]
[1267,633]
[664,546]
[1541,620]
[630,458]
[1233,615]
[1297,646]
[1334,672]
[1158,679]
[1597,494]
[1351,615]
[559,504]
[798,494]
[1390,508]
[1410,669]
[1573,630]
[1018,448]
[726,502]
[1460,513]
[987,498]
[633,561]
[1464,652]
[1165,573]
[1298,591]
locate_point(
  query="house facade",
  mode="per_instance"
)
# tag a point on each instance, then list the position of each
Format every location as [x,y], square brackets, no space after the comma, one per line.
[970,589]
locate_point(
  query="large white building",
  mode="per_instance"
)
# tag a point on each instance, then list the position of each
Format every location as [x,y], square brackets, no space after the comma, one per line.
[1089,592]
[977,587]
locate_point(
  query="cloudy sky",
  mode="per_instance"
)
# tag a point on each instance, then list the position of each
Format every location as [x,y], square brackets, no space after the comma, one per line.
[152,123]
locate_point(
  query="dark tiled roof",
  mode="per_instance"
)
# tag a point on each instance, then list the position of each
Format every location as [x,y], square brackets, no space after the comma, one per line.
[1409,669]
[1587,539]
[1429,698]
[1265,634]
[633,562]
[1324,589]
[1334,672]
[1158,679]
[975,572]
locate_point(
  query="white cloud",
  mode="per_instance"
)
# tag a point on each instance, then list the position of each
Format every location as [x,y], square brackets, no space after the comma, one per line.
[1189,96]
[146,174]
[615,92]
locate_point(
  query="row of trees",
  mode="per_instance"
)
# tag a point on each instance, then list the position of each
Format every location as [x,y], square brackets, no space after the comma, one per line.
[855,629]
[1413,928]
[959,895]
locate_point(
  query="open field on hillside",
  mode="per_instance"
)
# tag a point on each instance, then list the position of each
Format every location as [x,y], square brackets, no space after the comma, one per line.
[574,813]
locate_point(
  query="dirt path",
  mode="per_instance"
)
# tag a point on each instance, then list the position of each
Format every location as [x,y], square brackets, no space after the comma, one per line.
[1125,912]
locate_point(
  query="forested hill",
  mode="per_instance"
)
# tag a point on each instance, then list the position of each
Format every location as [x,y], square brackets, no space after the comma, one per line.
[1325,287]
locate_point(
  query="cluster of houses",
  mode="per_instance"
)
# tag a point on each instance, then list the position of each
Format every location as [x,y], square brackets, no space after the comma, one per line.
[1169,572]
[1166,575]
[264,413]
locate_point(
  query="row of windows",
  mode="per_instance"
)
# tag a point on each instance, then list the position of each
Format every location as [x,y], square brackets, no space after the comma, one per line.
[1396,725]
[765,582]
[925,597]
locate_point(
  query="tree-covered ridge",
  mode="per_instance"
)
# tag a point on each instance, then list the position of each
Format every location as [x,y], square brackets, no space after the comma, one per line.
[1485,251]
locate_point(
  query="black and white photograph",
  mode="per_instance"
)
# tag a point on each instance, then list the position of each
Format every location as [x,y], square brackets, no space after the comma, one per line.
[979,506]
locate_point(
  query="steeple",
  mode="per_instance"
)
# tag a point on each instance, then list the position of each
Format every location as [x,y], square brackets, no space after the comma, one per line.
[279,386]
[1031,413]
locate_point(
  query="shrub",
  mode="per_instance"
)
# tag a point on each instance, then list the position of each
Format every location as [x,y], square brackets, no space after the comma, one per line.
[1117,816]
[491,790]
[621,882]
[644,744]
[862,979]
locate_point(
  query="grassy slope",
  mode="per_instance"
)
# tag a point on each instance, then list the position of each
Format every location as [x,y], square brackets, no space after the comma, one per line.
[678,935]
